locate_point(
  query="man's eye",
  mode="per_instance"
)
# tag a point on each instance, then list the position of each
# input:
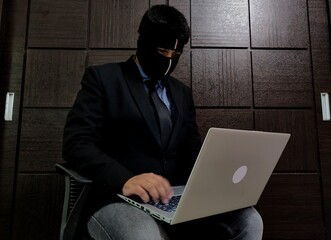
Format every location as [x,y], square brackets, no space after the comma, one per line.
[162,50]
[176,54]
[169,53]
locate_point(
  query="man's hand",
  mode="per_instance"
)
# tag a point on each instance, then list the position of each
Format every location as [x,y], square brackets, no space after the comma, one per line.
[148,185]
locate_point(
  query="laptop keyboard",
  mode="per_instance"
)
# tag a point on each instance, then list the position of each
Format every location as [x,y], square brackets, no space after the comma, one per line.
[170,207]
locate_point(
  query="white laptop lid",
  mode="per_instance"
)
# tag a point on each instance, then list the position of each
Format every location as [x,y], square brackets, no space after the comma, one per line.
[231,171]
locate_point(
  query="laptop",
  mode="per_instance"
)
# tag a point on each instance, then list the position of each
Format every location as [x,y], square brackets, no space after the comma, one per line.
[231,172]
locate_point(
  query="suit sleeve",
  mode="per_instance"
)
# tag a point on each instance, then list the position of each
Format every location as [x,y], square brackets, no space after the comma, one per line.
[193,144]
[194,137]
[82,138]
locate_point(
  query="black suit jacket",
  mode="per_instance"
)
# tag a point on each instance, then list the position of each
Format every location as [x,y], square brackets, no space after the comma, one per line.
[111,133]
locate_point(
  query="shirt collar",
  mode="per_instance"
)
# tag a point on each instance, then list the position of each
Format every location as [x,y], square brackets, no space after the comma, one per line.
[141,71]
[144,76]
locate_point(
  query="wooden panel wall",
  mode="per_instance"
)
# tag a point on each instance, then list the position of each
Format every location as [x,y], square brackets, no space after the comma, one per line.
[279,24]
[321,58]
[257,65]
[1,2]
[277,90]
[61,23]
[12,49]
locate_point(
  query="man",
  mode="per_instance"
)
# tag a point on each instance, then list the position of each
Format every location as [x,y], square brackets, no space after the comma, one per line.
[132,130]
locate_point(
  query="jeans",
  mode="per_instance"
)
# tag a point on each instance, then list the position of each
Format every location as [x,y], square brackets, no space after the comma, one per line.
[121,221]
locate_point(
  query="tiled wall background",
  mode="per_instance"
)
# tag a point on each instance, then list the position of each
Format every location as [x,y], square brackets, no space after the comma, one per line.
[251,64]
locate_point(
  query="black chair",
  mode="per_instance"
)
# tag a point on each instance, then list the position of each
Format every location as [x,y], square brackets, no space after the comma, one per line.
[76,189]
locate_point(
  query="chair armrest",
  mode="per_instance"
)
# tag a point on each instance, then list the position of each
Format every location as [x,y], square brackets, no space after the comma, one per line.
[75,194]
[63,169]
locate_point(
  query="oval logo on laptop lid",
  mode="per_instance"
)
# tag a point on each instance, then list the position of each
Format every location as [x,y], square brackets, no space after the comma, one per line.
[239,174]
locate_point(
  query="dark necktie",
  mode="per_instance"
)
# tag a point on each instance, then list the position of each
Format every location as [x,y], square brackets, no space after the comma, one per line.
[161,111]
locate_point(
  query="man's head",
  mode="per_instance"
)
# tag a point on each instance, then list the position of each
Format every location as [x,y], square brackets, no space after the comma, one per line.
[163,32]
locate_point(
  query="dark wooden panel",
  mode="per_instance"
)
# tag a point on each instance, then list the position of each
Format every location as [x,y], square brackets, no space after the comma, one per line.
[38,207]
[282,79]
[41,139]
[325,156]
[114,24]
[321,60]
[276,24]
[11,70]
[61,23]
[184,6]
[301,152]
[53,77]
[1,3]
[97,57]
[220,23]
[155,2]
[291,207]
[183,70]
[224,118]
[221,77]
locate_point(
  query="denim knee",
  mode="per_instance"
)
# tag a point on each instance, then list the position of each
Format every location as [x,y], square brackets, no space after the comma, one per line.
[253,226]
[123,221]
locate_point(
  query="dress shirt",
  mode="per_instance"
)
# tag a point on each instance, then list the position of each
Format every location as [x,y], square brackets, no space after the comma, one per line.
[160,89]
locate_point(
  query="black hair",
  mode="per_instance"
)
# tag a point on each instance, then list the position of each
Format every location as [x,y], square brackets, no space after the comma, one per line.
[164,20]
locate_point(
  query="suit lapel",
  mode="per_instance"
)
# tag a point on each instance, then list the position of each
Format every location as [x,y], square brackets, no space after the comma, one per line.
[137,89]
[178,104]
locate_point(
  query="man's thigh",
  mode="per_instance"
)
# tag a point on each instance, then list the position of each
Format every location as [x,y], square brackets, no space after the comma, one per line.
[240,224]
[123,221]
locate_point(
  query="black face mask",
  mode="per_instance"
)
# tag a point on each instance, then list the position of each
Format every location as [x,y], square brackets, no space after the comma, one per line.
[154,64]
